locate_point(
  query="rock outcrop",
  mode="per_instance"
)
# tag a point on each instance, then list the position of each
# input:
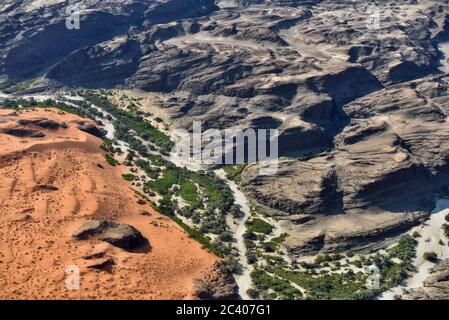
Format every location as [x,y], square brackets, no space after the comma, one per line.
[217,284]
[92,129]
[23,132]
[436,285]
[120,235]
[379,179]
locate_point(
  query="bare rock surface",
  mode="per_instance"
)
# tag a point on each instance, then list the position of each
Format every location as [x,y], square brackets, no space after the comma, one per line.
[120,235]
[436,285]
[379,179]
[92,129]
[217,284]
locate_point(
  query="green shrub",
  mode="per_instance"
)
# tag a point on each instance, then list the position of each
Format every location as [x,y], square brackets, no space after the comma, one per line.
[430,256]
[111,160]
[129,177]
[259,226]
[252,293]
[446,229]
[189,192]
[226,236]
[275,243]
[392,274]
[234,172]
[126,121]
[194,233]
[233,265]
[405,250]
[281,287]
[326,286]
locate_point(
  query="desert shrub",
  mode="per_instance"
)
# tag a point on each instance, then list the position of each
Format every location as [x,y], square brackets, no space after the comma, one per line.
[259,226]
[282,287]
[405,250]
[189,192]
[430,256]
[234,172]
[446,229]
[109,159]
[226,236]
[129,177]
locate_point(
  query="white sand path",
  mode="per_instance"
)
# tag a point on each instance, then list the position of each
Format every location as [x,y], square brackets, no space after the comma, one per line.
[238,228]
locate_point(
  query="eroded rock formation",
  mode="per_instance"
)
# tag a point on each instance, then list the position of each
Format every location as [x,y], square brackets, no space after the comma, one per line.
[436,285]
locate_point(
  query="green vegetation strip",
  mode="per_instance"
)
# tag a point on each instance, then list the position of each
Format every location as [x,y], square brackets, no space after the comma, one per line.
[327,284]
[49,103]
[234,172]
[259,226]
[126,121]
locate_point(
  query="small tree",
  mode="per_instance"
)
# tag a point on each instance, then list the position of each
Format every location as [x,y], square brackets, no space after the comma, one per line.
[252,293]
[226,236]
[430,256]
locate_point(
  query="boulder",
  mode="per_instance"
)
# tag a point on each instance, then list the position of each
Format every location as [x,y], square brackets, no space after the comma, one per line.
[23,132]
[120,235]
[43,123]
[435,287]
[144,213]
[218,284]
[123,236]
[92,129]
[88,229]
[101,264]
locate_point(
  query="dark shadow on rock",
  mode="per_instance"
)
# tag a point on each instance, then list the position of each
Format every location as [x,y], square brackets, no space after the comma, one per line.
[54,42]
[145,247]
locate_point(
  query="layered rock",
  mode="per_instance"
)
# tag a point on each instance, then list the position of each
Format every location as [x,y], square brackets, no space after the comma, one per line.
[379,179]
[435,287]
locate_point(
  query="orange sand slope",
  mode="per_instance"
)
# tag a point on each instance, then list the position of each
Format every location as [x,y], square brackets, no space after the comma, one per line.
[50,184]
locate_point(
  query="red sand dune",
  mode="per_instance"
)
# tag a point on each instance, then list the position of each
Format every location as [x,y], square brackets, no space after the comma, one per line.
[36,224]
